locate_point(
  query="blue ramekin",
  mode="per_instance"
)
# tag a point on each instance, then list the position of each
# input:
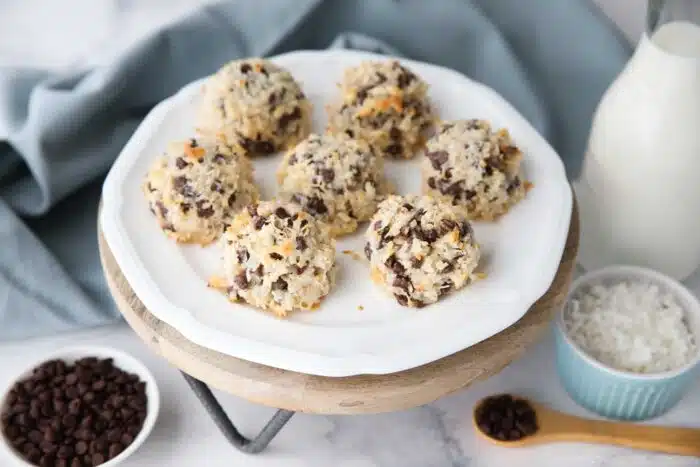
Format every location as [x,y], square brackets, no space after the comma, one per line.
[619,394]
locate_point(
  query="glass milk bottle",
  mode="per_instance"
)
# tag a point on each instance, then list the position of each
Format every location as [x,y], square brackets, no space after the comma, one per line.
[639,188]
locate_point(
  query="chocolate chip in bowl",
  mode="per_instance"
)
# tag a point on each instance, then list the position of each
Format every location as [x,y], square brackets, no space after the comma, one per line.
[85,406]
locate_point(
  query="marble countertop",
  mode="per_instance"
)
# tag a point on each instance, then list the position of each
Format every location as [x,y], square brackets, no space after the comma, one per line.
[436,435]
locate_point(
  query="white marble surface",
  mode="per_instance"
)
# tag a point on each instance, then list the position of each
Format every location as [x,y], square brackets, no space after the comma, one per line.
[437,435]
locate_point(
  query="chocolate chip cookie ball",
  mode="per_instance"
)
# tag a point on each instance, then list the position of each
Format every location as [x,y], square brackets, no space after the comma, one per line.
[474,168]
[278,258]
[337,179]
[420,249]
[196,187]
[385,104]
[256,105]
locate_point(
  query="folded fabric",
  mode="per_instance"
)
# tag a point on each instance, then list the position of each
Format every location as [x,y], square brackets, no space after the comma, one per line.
[59,134]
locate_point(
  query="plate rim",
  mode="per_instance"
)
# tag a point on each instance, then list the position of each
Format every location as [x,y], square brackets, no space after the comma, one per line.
[271,354]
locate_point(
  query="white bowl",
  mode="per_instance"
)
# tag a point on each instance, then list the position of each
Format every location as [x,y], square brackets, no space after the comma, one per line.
[122,361]
[622,394]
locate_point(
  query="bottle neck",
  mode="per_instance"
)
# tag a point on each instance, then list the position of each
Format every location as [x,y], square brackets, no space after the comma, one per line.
[674,26]
[661,12]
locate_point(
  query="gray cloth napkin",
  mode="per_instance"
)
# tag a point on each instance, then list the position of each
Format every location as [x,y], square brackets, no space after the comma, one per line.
[59,134]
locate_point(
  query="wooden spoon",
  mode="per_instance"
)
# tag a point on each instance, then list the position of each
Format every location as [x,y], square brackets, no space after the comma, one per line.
[555,426]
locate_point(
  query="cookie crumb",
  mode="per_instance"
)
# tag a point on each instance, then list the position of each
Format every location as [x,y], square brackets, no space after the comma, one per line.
[360,307]
[353,254]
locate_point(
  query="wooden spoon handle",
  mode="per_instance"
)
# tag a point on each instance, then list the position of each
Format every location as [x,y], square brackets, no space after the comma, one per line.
[683,441]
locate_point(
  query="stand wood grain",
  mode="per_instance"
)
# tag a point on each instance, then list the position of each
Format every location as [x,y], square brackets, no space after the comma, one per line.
[351,395]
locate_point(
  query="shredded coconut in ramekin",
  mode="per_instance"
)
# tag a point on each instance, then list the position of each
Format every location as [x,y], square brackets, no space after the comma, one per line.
[631,326]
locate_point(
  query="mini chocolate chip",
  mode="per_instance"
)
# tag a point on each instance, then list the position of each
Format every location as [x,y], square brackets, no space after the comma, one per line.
[259,147]
[377,225]
[286,119]
[163,212]
[394,264]
[350,133]
[245,68]
[496,163]
[395,133]
[74,406]
[316,205]
[429,235]
[205,212]
[114,435]
[431,182]
[180,163]
[488,170]
[393,149]
[241,280]
[217,186]
[437,158]
[454,189]
[292,159]
[259,270]
[368,251]
[328,175]
[448,224]
[114,450]
[408,207]
[179,182]
[402,299]
[301,243]
[259,222]
[64,452]
[465,229]
[252,210]
[279,284]
[97,459]
[513,185]
[445,287]
[361,94]
[405,78]
[242,255]
[281,213]
[416,263]
[448,269]
[219,158]
[402,282]
[276,256]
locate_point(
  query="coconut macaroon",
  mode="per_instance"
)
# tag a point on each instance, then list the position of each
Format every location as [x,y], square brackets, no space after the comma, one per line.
[337,179]
[385,104]
[474,168]
[278,258]
[255,105]
[420,249]
[196,187]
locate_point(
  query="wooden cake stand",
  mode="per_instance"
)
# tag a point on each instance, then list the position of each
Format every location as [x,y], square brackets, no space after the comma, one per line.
[295,392]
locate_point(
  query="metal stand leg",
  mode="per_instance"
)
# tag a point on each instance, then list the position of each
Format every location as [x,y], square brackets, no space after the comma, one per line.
[240,442]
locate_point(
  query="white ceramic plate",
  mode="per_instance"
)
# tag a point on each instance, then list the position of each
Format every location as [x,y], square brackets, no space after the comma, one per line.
[521,252]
